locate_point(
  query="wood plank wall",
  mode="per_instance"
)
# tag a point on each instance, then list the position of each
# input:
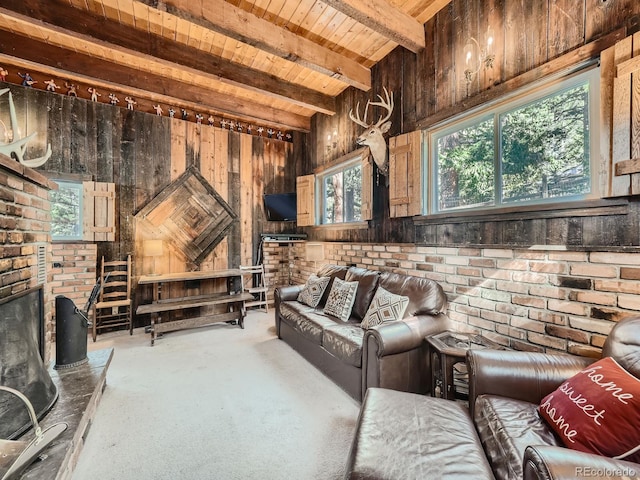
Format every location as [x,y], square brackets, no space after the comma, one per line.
[430,87]
[142,153]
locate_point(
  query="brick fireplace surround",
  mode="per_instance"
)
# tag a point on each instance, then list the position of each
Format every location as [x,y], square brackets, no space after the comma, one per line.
[25,229]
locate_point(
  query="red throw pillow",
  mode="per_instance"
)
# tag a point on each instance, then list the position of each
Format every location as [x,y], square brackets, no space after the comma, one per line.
[597,411]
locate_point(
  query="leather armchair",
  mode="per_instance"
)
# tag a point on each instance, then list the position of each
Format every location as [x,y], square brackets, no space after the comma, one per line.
[530,377]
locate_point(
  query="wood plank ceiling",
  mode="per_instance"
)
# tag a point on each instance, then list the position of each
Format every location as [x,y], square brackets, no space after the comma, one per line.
[262,62]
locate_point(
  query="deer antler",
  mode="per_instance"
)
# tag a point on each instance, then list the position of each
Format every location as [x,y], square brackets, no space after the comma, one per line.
[386,103]
[356,119]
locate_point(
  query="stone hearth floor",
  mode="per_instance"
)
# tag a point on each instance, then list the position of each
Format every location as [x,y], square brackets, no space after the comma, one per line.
[79,392]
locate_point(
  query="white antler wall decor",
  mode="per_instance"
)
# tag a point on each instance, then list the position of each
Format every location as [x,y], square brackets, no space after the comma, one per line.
[16,145]
[373,135]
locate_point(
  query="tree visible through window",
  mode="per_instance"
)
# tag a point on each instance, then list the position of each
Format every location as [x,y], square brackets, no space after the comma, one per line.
[66,211]
[342,194]
[537,150]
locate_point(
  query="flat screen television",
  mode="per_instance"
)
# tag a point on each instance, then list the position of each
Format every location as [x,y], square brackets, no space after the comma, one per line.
[280,207]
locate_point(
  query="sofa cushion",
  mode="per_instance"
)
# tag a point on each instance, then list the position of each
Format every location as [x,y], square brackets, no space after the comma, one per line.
[341,298]
[597,411]
[426,297]
[305,320]
[367,284]
[331,271]
[506,427]
[385,307]
[344,341]
[312,291]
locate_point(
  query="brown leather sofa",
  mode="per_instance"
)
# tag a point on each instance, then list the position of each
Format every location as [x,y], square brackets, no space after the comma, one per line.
[405,436]
[392,355]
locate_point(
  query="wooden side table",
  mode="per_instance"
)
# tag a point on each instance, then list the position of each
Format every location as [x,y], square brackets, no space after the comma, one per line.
[447,349]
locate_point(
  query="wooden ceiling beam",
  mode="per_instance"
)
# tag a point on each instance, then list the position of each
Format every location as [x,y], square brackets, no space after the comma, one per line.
[36,57]
[233,22]
[83,27]
[386,19]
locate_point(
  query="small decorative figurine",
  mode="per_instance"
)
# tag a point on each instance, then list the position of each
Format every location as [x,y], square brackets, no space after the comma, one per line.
[130,102]
[211,120]
[249,128]
[3,73]
[185,114]
[289,137]
[260,130]
[199,118]
[113,99]
[172,112]
[223,123]
[72,89]
[279,135]
[27,80]
[51,85]
[158,109]
[94,94]
[270,132]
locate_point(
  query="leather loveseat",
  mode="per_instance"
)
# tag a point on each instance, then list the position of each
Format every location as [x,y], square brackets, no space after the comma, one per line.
[391,355]
[405,436]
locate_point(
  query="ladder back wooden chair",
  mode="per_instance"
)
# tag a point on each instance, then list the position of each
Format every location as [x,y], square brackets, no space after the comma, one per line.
[113,308]
[255,283]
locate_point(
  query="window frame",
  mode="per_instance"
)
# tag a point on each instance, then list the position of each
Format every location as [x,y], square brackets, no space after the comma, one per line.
[79,187]
[545,88]
[352,160]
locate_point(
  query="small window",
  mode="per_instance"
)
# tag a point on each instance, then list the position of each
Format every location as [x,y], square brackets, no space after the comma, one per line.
[341,189]
[533,149]
[66,211]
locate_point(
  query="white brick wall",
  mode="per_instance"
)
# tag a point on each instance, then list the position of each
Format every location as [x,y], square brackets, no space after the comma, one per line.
[538,300]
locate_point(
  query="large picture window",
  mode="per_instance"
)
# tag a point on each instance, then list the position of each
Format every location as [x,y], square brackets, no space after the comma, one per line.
[341,189]
[536,148]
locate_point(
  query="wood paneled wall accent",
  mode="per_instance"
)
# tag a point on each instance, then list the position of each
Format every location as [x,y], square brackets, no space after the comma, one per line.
[531,40]
[142,153]
[620,84]
[405,174]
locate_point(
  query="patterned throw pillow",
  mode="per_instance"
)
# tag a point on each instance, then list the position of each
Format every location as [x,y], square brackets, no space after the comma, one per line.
[312,291]
[341,298]
[385,307]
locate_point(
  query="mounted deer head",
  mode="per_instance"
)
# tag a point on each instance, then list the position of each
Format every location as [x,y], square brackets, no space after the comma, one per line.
[372,137]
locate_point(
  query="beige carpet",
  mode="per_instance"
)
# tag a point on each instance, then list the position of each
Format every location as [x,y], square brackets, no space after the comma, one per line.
[216,403]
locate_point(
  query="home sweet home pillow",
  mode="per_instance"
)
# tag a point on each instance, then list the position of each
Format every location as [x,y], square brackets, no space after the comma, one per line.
[385,307]
[597,411]
[312,291]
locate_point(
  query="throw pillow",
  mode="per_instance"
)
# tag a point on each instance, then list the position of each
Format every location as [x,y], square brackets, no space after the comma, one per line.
[341,298]
[597,411]
[312,291]
[385,307]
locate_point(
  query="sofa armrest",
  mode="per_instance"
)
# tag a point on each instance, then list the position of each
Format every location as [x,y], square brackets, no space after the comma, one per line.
[396,337]
[546,462]
[527,376]
[395,354]
[286,293]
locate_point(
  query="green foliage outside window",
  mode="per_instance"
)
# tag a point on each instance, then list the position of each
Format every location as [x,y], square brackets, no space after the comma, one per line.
[343,195]
[66,208]
[536,151]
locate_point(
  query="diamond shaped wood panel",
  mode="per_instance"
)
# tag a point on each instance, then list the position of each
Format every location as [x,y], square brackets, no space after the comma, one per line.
[189,214]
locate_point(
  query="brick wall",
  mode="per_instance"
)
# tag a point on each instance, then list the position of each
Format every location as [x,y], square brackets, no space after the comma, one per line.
[74,270]
[24,226]
[535,299]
